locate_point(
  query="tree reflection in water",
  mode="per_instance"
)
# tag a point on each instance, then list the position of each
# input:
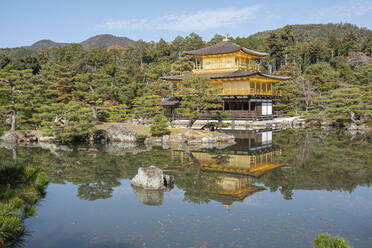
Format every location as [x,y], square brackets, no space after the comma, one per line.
[293,159]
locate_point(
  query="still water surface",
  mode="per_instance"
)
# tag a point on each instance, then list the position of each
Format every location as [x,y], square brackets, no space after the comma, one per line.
[268,190]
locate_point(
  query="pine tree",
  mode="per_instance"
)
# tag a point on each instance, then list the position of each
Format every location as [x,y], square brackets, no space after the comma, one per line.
[182,66]
[349,104]
[349,43]
[145,107]
[20,93]
[334,44]
[159,125]
[198,95]
[93,88]
[59,81]
[69,122]
[117,113]
[290,92]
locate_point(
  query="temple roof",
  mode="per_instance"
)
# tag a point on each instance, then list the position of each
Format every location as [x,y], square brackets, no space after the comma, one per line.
[169,101]
[222,75]
[228,198]
[224,47]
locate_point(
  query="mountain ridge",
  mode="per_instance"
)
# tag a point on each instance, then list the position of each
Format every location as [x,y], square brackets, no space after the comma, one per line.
[101,40]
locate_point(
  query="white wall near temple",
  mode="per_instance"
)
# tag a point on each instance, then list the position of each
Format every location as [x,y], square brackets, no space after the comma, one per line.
[267,108]
[267,137]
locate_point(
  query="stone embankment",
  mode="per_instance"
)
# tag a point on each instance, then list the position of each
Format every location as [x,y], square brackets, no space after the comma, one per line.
[116,134]
[190,137]
[248,125]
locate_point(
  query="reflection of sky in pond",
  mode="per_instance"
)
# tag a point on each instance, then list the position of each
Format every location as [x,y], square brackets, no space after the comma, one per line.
[261,220]
[323,176]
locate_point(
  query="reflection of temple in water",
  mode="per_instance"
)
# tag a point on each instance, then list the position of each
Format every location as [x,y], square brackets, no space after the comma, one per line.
[236,167]
[253,157]
[233,187]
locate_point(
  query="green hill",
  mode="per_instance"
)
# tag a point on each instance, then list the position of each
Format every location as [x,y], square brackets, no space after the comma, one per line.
[309,32]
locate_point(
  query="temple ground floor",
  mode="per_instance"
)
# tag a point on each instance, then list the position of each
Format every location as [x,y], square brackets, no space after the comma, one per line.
[237,107]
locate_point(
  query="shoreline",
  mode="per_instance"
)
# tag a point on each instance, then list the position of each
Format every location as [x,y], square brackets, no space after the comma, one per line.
[136,133]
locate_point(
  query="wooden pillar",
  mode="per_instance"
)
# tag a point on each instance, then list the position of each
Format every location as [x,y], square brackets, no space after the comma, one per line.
[255,87]
[172,113]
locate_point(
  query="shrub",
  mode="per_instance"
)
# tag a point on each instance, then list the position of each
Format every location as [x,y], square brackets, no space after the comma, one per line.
[329,241]
[159,125]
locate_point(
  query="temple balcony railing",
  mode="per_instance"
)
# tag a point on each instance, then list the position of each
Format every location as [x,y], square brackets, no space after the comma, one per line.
[254,92]
[221,68]
[244,92]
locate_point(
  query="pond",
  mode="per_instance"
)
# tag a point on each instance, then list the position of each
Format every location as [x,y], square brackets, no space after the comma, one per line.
[277,189]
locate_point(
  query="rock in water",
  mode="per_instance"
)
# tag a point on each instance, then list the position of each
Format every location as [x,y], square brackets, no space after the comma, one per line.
[119,133]
[152,178]
[9,137]
[48,139]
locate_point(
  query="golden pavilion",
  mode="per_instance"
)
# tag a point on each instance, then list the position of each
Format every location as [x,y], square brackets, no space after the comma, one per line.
[246,91]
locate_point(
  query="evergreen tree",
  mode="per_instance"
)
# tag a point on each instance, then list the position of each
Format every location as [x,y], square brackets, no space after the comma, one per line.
[216,39]
[177,47]
[145,107]
[328,241]
[71,122]
[21,188]
[334,44]
[159,88]
[59,80]
[323,76]
[367,45]
[198,95]
[182,66]
[348,104]
[4,60]
[363,76]
[159,125]
[116,113]
[288,102]
[193,42]
[349,43]
[93,88]
[19,91]
[279,44]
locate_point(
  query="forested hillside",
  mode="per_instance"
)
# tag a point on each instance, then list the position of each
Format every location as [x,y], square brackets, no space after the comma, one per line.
[65,90]
[310,32]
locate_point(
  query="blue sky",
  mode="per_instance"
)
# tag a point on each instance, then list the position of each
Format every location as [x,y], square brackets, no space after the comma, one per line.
[23,22]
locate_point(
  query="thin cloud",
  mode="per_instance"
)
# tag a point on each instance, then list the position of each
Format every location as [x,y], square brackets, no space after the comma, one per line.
[201,20]
[350,9]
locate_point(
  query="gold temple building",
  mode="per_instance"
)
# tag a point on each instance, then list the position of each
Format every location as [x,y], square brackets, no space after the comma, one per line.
[246,92]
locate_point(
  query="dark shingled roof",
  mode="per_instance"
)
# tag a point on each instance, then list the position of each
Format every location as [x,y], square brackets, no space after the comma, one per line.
[224,47]
[221,75]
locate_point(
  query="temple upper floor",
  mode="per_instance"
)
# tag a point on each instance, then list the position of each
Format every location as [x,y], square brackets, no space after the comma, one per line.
[226,56]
